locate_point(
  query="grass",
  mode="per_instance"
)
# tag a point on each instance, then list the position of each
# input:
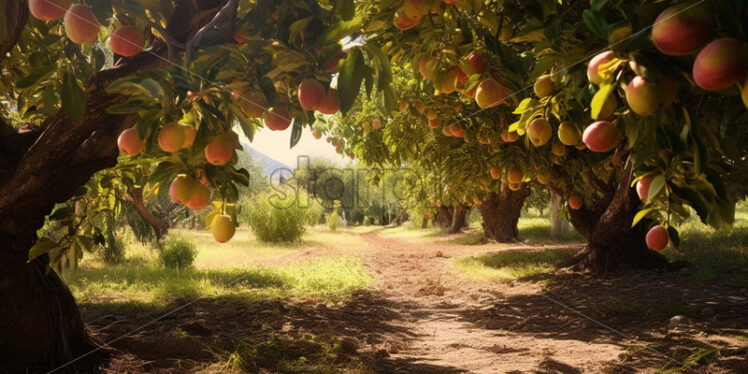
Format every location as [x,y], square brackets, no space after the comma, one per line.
[512,264]
[716,255]
[232,271]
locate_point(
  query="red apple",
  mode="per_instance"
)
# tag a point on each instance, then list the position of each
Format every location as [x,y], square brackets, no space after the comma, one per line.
[331,103]
[680,32]
[601,136]
[129,142]
[575,201]
[277,119]
[220,149]
[171,137]
[592,69]
[81,25]
[657,238]
[720,64]
[490,93]
[127,41]
[642,187]
[643,97]
[49,10]
[182,189]
[456,130]
[311,93]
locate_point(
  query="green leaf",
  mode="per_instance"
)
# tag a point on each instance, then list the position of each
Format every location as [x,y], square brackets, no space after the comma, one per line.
[640,215]
[350,79]
[598,102]
[346,9]
[674,237]
[41,247]
[61,213]
[249,130]
[295,132]
[36,75]
[656,186]
[596,23]
[73,97]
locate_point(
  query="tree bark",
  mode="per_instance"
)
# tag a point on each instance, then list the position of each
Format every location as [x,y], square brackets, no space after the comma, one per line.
[501,213]
[443,217]
[160,227]
[459,215]
[612,244]
[559,225]
[40,325]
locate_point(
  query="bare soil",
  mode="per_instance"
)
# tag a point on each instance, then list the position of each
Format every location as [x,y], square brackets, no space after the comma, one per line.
[422,316]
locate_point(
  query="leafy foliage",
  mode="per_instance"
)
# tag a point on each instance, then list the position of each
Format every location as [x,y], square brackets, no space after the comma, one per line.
[178,253]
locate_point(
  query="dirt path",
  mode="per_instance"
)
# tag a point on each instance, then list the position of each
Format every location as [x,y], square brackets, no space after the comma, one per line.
[443,310]
[423,317]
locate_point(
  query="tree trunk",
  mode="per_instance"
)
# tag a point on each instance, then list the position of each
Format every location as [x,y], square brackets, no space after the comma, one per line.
[559,225]
[160,227]
[443,217]
[425,222]
[41,325]
[459,215]
[612,244]
[501,213]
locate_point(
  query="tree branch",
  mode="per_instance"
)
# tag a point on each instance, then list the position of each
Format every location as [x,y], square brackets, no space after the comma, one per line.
[16,15]
[226,11]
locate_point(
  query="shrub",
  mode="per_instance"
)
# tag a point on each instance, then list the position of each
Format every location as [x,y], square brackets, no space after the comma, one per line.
[333,220]
[114,251]
[272,221]
[178,253]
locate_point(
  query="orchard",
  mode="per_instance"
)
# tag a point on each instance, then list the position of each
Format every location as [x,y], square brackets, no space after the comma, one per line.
[134,117]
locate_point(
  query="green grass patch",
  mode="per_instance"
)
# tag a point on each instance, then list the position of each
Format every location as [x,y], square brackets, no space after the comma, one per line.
[123,286]
[513,264]
[537,230]
[716,255]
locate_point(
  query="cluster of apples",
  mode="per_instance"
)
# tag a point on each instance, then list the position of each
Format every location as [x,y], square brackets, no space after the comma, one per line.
[487,92]
[409,16]
[195,195]
[81,25]
[514,176]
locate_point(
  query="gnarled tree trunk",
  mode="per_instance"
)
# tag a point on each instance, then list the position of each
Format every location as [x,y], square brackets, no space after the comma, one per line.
[40,325]
[559,225]
[501,213]
[612,244]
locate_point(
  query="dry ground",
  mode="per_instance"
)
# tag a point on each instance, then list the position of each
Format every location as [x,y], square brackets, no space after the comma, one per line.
[424,315]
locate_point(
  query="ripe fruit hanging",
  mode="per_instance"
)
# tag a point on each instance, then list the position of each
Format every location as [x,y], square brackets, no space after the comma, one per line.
[420,106]
[127,41]
[277,119]
[333,62]
[515,175]
[495,173]
[575,201]
[643,97]
[657,238]
[414,9]
[317,134]
[182,188]
[473,64]
[681,29]
[449,82]
[423,68]
[171,137]
[189,135]
[220,149]
[456,130]
[544,86]
[200,198]
[539,132]
[720,64]
[49,10]
[558,149]
[434,123]
[129,142]
[515,186]
[310,93]
[223,228]
[601,136]
[642,187]
[431,114]
[81,25]
[331,103]
[402,22]
[509,137]
[593,74]
[376,124]
[490,93]
[568,133]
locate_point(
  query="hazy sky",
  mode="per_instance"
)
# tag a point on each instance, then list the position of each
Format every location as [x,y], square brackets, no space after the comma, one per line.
[275,144]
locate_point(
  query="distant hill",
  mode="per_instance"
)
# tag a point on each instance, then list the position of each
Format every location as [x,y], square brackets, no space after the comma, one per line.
[268,164]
